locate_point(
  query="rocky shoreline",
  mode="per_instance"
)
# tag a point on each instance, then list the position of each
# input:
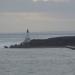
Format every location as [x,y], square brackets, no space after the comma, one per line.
[46,43]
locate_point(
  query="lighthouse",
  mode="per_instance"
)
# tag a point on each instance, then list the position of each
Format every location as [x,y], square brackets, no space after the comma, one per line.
[27,37]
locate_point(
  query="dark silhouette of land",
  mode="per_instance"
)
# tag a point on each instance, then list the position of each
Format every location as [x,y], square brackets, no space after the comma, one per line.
[44,43]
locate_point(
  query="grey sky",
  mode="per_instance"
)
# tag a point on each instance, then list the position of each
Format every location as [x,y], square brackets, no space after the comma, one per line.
[37,15]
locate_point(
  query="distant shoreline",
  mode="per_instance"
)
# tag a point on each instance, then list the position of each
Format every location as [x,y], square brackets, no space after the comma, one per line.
[55,42]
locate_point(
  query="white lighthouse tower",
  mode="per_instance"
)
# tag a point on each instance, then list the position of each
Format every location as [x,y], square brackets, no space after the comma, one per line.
[27,37]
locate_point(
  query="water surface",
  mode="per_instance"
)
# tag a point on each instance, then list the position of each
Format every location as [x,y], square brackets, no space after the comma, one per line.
[37,61]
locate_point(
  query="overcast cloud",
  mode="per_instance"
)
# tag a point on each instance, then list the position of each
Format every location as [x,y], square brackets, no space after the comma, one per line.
[37,15]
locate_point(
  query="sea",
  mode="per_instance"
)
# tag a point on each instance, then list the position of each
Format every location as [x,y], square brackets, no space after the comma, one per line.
[35,61]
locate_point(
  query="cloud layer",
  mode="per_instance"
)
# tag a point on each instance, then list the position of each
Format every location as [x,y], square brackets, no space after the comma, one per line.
[37,5]
[52,0]
[35,21]
[37,15]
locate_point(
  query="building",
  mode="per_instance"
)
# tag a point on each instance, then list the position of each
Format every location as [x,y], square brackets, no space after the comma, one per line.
[27,37]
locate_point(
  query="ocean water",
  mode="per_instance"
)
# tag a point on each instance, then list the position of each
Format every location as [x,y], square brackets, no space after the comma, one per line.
[37,61]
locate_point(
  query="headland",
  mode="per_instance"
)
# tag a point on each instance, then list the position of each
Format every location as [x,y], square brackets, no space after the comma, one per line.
[46,43]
